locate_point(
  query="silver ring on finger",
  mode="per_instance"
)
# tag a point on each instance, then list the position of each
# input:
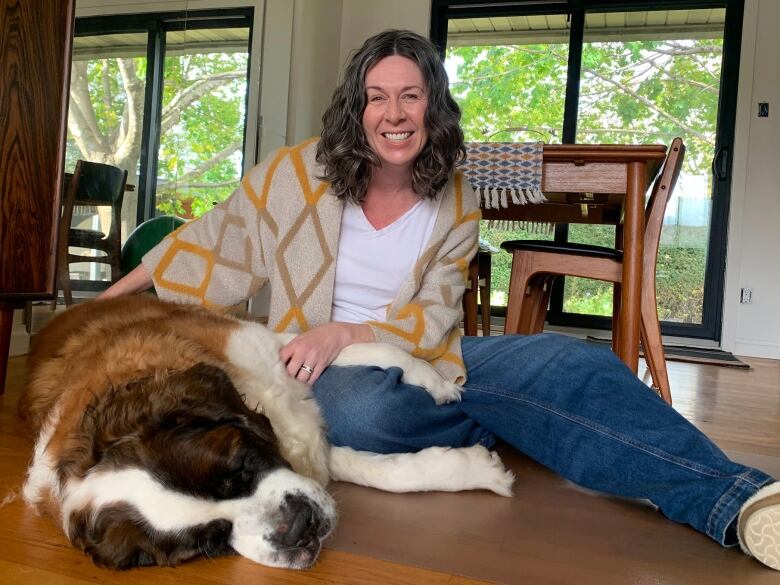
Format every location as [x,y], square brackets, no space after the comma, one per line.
[308,369]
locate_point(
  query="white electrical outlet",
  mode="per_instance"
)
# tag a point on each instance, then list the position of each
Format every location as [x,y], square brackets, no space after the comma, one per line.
[746,296]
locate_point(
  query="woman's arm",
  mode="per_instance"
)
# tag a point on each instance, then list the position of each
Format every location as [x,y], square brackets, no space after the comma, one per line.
[134,281]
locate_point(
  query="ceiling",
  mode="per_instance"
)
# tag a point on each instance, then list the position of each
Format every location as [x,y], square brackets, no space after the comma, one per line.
[599,26]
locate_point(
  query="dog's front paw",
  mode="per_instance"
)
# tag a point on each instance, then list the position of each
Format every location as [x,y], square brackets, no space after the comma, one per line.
[445,392]
[420,373]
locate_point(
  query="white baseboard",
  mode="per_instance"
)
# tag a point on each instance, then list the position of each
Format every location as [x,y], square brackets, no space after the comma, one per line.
[757,348]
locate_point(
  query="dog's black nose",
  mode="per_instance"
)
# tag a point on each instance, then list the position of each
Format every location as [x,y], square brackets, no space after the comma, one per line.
[301,523]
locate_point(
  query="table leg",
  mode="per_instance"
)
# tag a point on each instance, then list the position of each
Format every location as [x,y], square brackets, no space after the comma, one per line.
[633,248]
[6,324]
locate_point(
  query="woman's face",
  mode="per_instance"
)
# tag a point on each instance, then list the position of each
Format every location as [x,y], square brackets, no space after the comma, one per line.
[394,118]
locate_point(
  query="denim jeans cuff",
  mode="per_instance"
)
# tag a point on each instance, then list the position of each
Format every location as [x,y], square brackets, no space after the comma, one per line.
[726,509]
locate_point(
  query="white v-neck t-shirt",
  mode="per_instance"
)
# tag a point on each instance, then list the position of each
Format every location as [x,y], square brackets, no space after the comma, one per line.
[372,264]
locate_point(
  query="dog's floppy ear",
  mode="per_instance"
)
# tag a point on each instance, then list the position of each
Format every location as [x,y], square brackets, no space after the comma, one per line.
[118,537]
[120,418]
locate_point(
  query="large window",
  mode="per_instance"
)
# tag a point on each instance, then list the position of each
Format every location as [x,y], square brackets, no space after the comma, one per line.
[592,73]
[162,96]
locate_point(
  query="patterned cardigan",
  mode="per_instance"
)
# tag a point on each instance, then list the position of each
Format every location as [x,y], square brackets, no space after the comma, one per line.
[282,226]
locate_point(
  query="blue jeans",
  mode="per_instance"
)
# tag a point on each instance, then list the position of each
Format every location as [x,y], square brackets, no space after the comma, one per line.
[572,407]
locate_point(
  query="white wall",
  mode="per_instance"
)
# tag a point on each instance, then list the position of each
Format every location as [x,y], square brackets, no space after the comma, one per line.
[314,65]
[754,232]
[364,18]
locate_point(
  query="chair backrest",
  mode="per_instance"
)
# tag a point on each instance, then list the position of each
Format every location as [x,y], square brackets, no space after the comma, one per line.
[98,184]
[94,184]
[659,198]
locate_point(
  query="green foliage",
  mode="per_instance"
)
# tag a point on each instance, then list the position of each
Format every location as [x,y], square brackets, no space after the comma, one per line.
[631,92]
[204,129]
[511,92]
[203,111]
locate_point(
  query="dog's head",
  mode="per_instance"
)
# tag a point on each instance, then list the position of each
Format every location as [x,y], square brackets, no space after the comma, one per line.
[176,465]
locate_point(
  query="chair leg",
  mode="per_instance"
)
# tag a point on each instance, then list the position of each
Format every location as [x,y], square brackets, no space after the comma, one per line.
[6,324]
[533,309]
[483,272]
[519,303]
[654,350]
[616,292]
[28,316]
[67,293]
[540,307]
[116,267]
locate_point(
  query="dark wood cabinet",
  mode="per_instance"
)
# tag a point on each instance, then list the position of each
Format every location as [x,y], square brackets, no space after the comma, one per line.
[35,54]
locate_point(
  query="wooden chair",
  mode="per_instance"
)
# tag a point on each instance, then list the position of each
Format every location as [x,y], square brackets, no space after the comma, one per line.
[535,264]
[95,185]
[479,282]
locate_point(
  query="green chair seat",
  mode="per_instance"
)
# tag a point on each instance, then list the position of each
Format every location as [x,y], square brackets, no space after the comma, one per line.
[145,237]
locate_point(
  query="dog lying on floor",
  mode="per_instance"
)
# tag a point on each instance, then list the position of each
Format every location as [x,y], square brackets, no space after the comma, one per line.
[167,431]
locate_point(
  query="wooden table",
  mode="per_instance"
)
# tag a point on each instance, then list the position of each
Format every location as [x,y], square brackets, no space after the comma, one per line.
[600,184]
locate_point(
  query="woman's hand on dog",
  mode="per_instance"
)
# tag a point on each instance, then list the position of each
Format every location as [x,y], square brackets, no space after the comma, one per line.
[318,347]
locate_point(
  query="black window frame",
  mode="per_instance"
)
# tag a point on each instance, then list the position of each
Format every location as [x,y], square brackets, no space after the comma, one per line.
[156,25]
[714,278]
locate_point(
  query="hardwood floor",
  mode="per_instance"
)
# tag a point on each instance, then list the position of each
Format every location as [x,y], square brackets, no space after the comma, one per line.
[550,532]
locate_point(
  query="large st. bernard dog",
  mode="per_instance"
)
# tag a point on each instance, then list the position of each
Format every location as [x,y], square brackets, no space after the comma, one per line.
[168,431]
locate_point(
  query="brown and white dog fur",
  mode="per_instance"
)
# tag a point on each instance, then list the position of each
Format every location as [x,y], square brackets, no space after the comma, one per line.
[168,431]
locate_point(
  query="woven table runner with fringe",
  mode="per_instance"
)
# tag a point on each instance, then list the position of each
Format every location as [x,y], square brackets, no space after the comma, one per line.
[504,174]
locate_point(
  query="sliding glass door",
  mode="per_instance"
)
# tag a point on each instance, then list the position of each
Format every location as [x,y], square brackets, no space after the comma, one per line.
[606,72]
[162,96]
[202,119]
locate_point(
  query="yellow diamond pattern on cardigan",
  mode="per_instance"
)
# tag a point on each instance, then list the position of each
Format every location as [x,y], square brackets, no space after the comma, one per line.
[260,201]
[460,219]
[416,313]
[294,314]
[307,222]
[178,251]
[448,356]
[312,197]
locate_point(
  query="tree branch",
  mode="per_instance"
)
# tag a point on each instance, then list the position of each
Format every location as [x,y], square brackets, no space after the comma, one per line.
[650,105]
[172,112]
[85,128]
[222,155]
[107,98]
[195,185]
[129,141]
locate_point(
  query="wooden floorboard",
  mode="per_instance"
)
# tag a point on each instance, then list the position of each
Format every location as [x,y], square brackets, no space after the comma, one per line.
[550,532]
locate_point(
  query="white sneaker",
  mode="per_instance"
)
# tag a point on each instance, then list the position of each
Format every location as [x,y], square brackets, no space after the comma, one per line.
[758,528]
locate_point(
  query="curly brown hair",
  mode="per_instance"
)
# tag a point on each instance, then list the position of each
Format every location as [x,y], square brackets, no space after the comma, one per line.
[343,150]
